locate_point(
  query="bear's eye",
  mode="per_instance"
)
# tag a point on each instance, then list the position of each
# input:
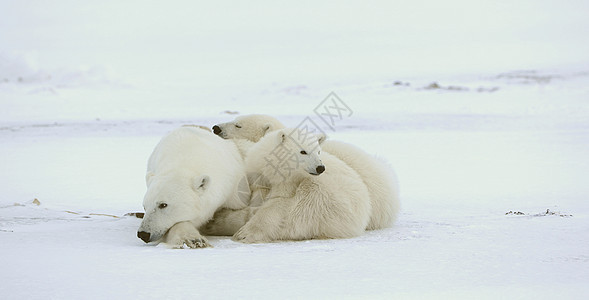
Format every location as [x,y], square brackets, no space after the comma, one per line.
[238,126]
[303,152]
[319,152]
[163,205]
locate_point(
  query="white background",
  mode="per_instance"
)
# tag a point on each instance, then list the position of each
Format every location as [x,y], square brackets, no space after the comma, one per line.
[88,89]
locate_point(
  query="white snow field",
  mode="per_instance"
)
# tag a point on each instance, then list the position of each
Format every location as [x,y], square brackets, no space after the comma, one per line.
[482,108]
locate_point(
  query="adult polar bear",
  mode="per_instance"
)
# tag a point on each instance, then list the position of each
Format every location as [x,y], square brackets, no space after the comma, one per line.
[310,195]
[190,174]
[378,176]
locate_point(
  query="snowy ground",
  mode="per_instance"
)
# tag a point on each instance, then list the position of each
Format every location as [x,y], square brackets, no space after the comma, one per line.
[86,94]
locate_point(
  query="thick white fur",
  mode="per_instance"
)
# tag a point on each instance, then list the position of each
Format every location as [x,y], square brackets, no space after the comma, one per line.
[378,176]
[249,127]
[194,173]
[300,205]
[245,131]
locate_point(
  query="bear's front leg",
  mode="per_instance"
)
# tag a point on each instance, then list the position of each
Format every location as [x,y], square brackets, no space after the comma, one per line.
[227,221]
[266,225]
[184,233]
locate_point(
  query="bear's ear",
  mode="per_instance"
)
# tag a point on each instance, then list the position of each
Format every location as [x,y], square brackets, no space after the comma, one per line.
[321,137]
[201,182]
[281,136]
[266,128]
[148,177]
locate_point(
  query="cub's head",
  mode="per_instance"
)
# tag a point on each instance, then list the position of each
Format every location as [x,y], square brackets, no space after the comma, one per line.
[168,201]
[287,152]
[249,127]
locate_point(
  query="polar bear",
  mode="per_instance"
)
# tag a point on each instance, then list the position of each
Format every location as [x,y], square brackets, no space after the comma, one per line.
[311,194]
[378,176]
[249,127]
[190,174]
[246,130]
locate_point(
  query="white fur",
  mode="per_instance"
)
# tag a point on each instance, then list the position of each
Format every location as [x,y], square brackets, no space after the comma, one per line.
[249,127]
[194,173]
[300,205]
[378,176]
[245,131]
[243,146]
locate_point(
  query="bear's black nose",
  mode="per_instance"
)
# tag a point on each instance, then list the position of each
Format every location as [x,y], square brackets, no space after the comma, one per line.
[320,169]
[216,129]
[144,236]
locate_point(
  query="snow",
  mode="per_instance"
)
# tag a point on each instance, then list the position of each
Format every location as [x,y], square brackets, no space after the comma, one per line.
[87,90]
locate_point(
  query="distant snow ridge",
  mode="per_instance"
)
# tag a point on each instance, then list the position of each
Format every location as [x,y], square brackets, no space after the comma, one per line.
[24,68]
[19,68]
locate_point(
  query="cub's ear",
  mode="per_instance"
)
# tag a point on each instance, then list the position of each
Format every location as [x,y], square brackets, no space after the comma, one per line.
[281,136]
[267,128]
[148,177]
[321,137]
[201,183]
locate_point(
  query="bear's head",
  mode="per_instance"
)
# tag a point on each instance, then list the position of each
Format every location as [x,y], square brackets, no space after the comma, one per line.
[169,200]
[288,152]
[249,127]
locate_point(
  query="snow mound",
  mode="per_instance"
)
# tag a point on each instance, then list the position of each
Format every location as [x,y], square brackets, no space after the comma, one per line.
[19,68]
[24,68]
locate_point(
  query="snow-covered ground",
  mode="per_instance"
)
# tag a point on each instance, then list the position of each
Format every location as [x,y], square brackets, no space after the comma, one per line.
[493,158]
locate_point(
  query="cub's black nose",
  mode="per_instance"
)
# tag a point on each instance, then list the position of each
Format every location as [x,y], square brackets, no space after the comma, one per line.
[216,129]
[320,169]
[144,236]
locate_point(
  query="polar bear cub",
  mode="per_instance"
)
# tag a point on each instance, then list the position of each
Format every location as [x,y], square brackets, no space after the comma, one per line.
[190,174]
[248,127]
[378,176]
[246,130]
[312,194]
